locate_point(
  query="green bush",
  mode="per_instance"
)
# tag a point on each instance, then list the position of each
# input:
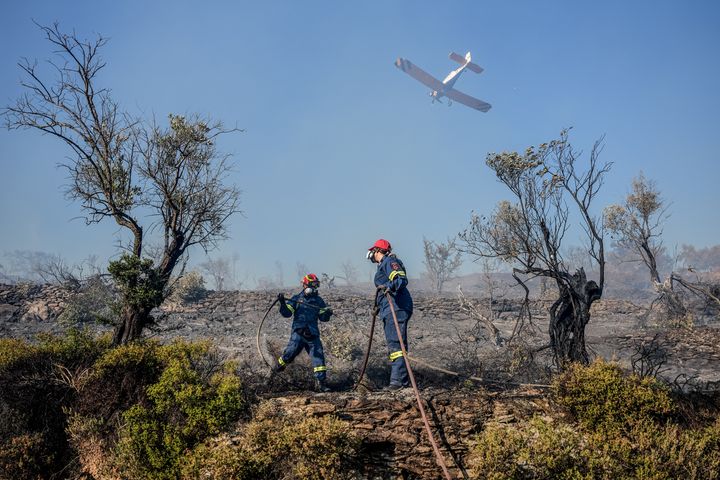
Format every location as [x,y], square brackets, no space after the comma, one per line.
[540,448]
[624,430]
[274,446]
[548,449]
[603,396]
[191,400]
[38,383]
[25,456]
[96,301]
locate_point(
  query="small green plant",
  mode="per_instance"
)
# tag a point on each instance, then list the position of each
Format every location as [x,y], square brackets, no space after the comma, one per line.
[141,284]
[275,446]
[602,396]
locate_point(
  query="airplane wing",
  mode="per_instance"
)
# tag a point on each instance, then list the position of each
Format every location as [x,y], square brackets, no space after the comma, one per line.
[471,102]
[418,74]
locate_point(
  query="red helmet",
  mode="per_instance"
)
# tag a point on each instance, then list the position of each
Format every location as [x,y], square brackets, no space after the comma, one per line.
[311,280]
[381,244]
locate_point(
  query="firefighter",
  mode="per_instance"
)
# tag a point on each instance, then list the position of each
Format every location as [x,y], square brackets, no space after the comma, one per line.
[391,278]
[306,308]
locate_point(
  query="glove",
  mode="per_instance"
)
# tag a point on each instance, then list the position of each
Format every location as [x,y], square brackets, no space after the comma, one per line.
[281,298]
[325,317]
[383,289]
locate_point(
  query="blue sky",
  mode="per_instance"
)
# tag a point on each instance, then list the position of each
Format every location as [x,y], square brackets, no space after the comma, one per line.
[341,148]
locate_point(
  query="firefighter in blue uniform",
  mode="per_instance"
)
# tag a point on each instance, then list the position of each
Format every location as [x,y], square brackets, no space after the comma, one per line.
[392,278]
[306,308]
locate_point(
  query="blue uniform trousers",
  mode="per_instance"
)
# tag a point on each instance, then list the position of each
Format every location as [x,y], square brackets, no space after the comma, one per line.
[398,370]
[312,345]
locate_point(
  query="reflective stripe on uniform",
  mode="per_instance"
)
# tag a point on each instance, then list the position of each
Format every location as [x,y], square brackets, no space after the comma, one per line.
[321,311]
[395,355]
[396,273]
[290,307]
[321,368]
[281,361]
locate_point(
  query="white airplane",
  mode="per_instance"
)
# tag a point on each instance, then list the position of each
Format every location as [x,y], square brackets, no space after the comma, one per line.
[445,88]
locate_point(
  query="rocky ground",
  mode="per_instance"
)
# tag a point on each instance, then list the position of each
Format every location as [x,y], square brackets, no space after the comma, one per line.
[440,332]
[442,335]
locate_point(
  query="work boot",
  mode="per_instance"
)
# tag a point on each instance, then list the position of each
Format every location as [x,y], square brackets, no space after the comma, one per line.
[322,386]
[395,386]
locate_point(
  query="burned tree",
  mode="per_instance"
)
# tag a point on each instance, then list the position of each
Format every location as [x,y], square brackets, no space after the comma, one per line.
[636,225]
[528,233]
[441,262]
[129,171]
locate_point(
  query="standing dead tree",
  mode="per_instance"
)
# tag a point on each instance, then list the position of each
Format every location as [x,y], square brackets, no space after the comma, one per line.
[125,170]
[636,225]
[441,261]
[484,317]
[349,273]
[528,233]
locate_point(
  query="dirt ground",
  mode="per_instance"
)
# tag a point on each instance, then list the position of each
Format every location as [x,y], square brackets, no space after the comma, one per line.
[440,334]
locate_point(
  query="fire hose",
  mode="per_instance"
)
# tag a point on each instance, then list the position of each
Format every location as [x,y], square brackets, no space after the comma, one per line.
[438,455]
[407,359]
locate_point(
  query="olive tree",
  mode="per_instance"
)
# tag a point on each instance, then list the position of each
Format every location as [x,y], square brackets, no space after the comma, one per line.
[636,225]
[550,185]
[164,185]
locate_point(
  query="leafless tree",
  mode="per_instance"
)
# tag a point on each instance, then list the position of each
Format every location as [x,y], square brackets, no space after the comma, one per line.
[441,261]
[349,272]
[327,280]
[223,271]
[279,275]
[484,317]
[218,269]
[301,269]
[128,171]
[650,356]
[528,233]
[56,270]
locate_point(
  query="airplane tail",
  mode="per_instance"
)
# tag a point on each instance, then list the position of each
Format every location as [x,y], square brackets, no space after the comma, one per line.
[466,60]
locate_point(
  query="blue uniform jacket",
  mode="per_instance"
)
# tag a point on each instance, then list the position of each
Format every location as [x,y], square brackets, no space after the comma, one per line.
[391,274]
[307,310]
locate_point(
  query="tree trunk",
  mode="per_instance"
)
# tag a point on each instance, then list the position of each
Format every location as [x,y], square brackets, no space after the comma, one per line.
[568,317]
[134,320]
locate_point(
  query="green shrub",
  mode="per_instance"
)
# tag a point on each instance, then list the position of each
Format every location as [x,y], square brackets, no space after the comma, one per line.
[119,379]
[25,456]
[274,446]
[624,429]
[96,301]
[38,383]
[221,458]
[76,348]
[546,449]
[190,401]
[540,448]
[603,396]
[12,351]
